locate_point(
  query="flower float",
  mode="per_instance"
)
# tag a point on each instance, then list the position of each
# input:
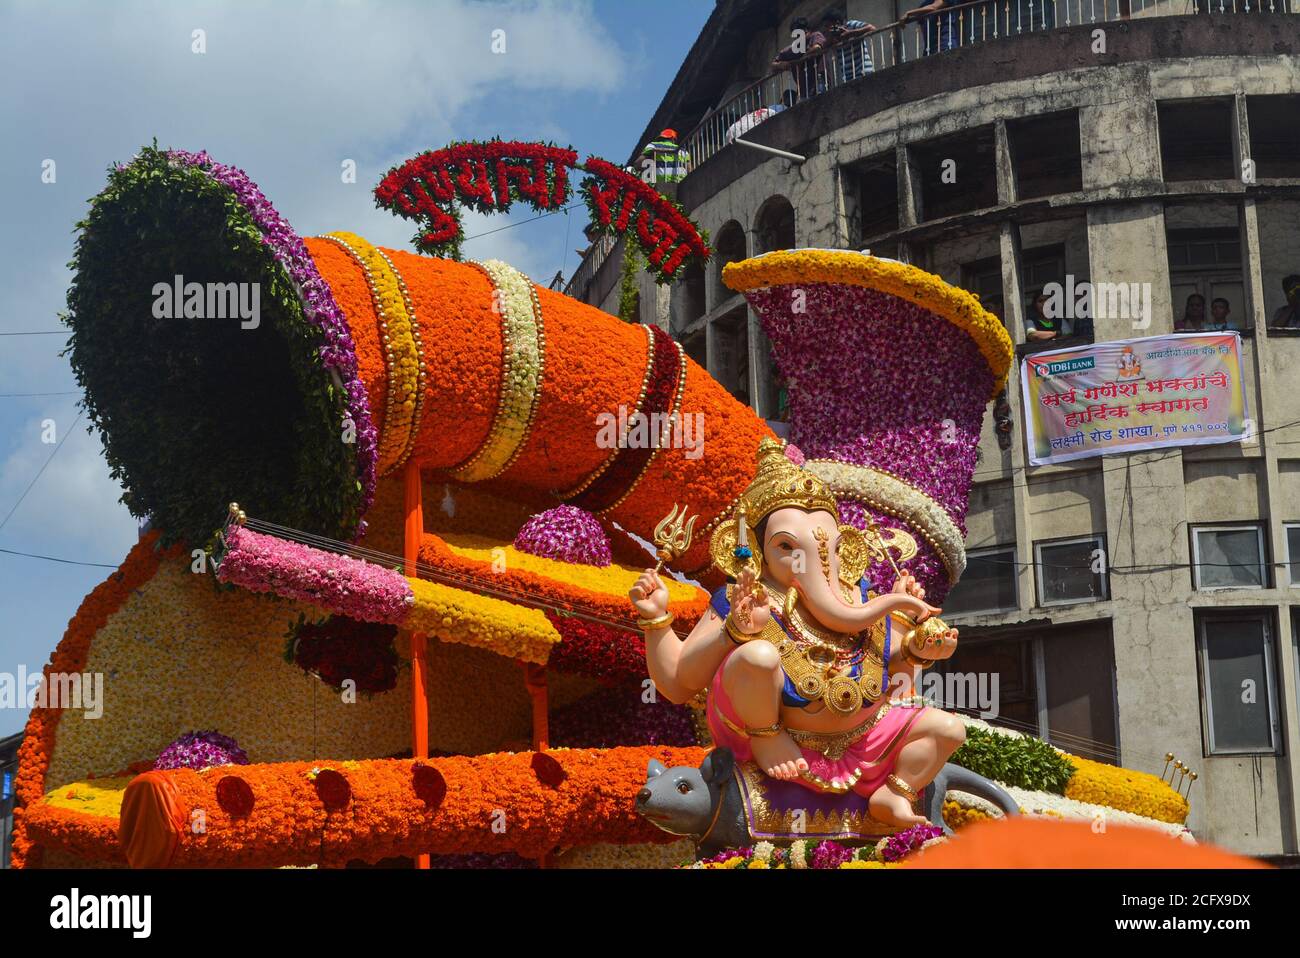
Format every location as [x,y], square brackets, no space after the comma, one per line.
[367,367]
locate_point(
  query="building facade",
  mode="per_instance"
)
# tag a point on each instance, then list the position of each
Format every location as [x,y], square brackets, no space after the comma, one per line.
[1155,144]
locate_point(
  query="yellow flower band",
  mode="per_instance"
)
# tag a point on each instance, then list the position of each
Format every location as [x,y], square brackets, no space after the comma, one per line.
[916,286]
[422,369]
[524,350]
[887,493]
[401,351]
[453,615]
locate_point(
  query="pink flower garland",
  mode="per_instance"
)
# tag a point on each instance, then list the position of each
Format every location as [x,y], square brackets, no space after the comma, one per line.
[351,587]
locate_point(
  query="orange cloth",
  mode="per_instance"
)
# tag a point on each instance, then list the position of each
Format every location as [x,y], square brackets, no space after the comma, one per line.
[1025,842]
[151,822]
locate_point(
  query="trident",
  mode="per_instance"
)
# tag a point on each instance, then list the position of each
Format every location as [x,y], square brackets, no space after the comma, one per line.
[673,535]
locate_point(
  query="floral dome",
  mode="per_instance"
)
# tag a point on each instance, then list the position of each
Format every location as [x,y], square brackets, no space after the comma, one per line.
[566,533]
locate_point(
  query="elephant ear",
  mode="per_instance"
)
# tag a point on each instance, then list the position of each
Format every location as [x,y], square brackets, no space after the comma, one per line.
[855,555]
[722,549]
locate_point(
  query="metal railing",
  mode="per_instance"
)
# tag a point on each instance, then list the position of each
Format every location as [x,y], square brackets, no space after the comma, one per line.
[953,27]
[591,263]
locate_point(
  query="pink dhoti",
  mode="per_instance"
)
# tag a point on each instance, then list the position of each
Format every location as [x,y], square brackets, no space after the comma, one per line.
[859,759]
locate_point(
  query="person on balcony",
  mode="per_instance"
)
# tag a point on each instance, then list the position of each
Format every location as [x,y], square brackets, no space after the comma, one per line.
[1193,320]
[671,161]
[1288,316]
[939,27]
[803,58]
[1039,327]
[1219,310]
[852,57]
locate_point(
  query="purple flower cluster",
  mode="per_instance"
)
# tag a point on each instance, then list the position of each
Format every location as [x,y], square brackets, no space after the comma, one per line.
[610,717]
[899,846]
[345,586]
[826,854]
[337,354]
[566,533]
[200,750]
[877,381]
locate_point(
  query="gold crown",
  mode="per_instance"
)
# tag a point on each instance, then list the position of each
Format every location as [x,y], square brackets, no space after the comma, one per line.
[780,483]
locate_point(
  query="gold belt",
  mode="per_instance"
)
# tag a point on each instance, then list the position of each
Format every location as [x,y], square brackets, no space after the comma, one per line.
[834,744]
[831,744]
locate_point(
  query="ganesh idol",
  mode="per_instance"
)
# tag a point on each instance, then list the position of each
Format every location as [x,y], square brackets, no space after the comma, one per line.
[797,651]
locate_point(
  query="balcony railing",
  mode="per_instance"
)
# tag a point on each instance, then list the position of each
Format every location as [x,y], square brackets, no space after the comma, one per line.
[591,263]
[903,42]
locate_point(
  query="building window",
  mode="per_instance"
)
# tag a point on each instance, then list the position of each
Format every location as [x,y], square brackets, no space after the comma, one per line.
[1205,278]
[1293,553]
[1274,139]
[731,365]
[987,585]
[1238,697]
[1228,557]
[1071,570]
[1058,685]
[877,180]
[984,279]
[1196,140]
[1046,154]
[957,174]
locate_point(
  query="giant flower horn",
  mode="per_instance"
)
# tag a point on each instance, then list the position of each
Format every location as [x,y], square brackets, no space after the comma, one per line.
[223,358]
[889,371]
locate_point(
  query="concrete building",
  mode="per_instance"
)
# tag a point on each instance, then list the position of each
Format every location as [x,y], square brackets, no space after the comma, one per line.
[1150,143]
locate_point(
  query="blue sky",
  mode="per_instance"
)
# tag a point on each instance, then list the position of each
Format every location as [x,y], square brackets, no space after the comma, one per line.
[287,91]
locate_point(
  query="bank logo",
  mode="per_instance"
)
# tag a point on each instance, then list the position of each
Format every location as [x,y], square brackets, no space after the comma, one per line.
[1044,370]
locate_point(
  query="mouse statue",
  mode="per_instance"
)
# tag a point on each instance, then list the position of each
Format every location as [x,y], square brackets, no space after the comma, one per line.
[721,805]
[797,652]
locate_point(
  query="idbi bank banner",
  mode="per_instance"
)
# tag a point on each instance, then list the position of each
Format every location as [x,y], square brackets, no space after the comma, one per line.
[1183,390]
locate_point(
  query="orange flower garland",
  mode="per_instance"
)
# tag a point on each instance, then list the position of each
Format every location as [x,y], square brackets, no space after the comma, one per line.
[463,347]
[394,807]
[586,374]
[69,657]
[731,434]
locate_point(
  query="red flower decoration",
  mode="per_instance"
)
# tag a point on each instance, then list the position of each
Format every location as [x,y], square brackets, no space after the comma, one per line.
[333,789]
[235,796]
[430,787]
[549,772]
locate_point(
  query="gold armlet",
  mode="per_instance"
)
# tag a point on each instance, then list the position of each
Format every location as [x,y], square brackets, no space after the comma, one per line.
[646,625]
[769,732]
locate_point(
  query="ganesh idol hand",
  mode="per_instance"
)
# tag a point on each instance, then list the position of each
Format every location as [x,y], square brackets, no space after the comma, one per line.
[751,607]
[649,595]
[907,584]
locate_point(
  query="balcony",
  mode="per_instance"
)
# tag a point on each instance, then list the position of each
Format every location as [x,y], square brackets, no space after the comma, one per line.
[901,43]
